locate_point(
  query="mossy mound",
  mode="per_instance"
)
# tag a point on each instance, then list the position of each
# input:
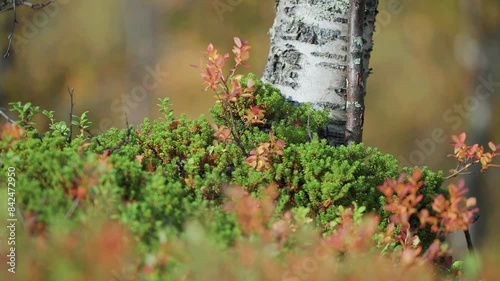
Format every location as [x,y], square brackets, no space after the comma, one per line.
[155,176]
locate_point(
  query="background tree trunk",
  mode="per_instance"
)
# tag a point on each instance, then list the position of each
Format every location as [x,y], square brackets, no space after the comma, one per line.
[140,49]
[477,50]
[308,55]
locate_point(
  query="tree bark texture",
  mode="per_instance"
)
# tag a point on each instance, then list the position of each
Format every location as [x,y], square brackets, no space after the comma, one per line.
[355,105]
[309,55]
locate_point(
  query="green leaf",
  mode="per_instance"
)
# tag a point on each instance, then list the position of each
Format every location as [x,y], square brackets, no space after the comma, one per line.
[457,265]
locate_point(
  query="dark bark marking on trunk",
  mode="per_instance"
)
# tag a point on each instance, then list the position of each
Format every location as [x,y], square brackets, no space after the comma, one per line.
[333,106]
[337,90]
[332,65]
[286,63]
[303,32]
[329,55]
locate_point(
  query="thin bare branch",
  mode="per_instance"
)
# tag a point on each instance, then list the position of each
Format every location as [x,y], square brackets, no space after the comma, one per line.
[124,140]
[14,6]
[72,208]
[468,239]
[71,91]
[11,34]
[37,6]
[6,116]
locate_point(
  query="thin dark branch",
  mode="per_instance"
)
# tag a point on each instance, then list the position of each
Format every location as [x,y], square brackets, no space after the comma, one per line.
[468,238]
[236,134]
[6,116]
[234,130]
[37,6]
[96,139]
[71,92]
[124,140]
[11,34]
[129,130]
[89,132]
[93,137]
[469,241]
[16,3]
[355,105]
[460,171]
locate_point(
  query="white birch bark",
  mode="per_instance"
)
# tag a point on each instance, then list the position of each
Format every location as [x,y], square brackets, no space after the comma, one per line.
[308,55]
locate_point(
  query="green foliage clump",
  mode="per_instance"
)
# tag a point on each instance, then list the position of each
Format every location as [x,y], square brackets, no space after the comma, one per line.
[295,123]
[53,174]
[164,173]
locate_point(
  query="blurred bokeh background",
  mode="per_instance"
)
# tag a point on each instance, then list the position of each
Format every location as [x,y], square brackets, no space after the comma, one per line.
[436,69]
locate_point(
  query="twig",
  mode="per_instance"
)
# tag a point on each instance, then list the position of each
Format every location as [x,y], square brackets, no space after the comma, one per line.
[89,132]
[11,34]
[93,137]
[72,208]
[6,116]
[459,171]
[234,131]
[124,140]
[469,241]
[355,105]
[37,6]
[129,131]
[16,3]
[71,92]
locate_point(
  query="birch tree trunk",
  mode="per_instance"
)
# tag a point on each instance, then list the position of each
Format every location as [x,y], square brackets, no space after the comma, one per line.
[308,56]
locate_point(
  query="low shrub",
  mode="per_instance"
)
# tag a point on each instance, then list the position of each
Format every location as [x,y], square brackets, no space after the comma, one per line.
[248,196]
